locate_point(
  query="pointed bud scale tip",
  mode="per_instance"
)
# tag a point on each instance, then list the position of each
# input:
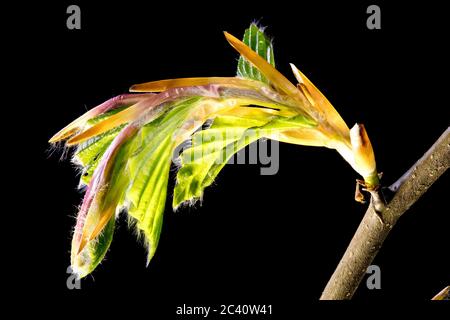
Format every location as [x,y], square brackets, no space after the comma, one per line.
[297,73]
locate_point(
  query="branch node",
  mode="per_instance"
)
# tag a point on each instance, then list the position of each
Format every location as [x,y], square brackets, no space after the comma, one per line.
[370,235]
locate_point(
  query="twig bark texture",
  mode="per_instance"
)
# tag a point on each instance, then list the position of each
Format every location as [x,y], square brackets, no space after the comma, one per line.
[378,222]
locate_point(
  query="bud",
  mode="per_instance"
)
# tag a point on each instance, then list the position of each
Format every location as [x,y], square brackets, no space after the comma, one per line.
[364,158]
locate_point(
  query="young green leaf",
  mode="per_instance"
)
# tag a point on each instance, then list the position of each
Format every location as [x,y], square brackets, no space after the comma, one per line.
[213,148]
[255,38]
[149,166]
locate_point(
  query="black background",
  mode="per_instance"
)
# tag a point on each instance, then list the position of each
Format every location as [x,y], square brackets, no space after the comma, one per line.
[254,239]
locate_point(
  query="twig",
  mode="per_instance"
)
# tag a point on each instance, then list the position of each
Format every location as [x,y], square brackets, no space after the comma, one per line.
[377,223]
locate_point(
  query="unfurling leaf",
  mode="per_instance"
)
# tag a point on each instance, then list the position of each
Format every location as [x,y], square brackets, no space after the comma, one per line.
[126,145]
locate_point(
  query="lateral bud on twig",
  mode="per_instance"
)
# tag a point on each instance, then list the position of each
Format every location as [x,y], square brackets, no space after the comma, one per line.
[364,156]
[365,165]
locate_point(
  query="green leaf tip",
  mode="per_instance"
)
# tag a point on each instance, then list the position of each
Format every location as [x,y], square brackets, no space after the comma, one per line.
[257,40]
[84,263]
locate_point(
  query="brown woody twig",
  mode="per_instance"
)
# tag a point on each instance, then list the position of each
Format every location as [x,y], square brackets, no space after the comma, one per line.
[379,219]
